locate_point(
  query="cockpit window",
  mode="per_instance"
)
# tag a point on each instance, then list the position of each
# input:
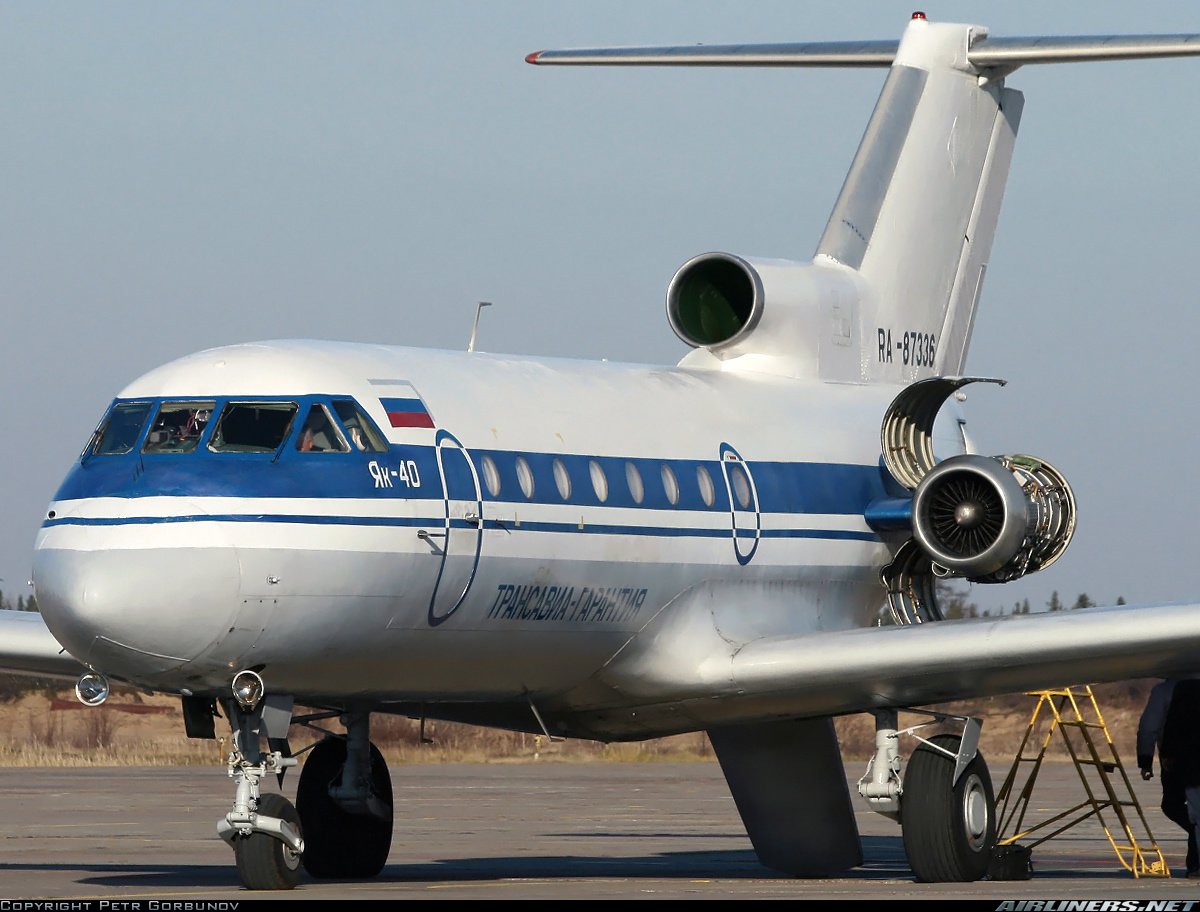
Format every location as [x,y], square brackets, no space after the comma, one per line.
[252,427]
[319,434]
[121,429]
[363,433]
[177,427]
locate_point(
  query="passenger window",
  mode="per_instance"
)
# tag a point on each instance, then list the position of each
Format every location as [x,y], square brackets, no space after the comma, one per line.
[707,492]
[177,427]
[670,484]
[562,479]
[252,427]
[491,475]
[599,480]
[740,484]
[318,435]
[120,429]
[525,477]
[636,489]
[364,435]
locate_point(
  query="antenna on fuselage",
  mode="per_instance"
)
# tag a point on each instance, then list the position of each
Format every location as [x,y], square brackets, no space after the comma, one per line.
[475,325]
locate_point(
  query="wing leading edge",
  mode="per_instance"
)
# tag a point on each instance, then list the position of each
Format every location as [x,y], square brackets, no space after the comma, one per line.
[28,647]
[717,680]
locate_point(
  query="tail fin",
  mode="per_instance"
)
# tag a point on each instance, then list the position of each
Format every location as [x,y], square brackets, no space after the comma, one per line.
[918,211]
[914,222]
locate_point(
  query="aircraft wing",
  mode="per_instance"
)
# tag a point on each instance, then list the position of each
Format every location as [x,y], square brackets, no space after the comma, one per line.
[28,647]
[861,669]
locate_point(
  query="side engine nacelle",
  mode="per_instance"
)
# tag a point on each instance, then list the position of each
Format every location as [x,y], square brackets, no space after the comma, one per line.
[989,519]
[993,519]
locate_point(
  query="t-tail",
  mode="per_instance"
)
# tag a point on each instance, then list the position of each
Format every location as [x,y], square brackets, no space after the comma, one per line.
[891,292]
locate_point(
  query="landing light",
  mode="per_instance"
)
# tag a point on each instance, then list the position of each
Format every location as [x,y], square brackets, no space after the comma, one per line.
[92,689]
[247,689]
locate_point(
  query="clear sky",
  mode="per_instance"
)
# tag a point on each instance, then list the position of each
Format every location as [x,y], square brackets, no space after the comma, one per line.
[180,175]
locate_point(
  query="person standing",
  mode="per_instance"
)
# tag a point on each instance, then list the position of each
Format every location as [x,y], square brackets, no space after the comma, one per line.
[1169,724]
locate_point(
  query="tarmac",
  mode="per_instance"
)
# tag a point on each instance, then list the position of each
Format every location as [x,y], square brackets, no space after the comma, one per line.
[541,830]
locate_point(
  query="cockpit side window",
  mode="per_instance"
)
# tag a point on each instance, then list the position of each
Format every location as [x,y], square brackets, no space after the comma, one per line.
[252,427]
[120,430]
[177,427]
[363,434]
[319,434]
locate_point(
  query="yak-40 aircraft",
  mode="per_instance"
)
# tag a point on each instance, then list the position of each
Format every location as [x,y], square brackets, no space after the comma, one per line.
[746,543]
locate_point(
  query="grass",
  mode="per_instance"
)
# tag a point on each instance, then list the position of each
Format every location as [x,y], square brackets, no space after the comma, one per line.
[45,727]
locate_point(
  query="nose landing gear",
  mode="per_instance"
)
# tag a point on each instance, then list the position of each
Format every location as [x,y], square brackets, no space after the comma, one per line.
[264,831]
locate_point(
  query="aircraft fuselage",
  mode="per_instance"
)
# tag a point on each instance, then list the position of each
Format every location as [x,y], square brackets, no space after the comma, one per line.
[560,504]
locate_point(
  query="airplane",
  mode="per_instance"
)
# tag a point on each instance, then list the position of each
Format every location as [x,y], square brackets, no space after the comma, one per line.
[748,543]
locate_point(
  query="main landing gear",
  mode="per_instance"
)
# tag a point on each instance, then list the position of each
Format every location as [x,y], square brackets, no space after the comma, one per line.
[345,801]
[944,801]
[341,826]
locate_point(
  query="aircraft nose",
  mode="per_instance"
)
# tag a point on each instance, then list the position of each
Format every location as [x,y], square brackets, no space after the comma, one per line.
[135,613]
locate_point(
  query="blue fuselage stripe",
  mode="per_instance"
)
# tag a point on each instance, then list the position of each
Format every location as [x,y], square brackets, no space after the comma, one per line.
[411,521]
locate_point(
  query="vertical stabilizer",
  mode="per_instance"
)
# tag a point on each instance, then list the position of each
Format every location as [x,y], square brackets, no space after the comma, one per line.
[918,210]
[890,295]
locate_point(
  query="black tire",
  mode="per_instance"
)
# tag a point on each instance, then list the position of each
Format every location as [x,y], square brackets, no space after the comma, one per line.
[949,832]
[264,862]
[338,844]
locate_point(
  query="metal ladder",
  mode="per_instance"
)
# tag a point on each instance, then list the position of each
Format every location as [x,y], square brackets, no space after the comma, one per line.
[1073,712]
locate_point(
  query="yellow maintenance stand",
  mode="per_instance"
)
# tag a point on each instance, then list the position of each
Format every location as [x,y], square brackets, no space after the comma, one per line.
[1073,713]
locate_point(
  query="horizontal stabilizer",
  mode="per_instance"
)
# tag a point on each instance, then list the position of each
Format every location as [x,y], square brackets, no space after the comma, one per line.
[812,53]
[1014,52]
[985,53]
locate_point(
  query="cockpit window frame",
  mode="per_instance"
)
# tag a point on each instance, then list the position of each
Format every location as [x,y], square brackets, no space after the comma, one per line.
[98,435]
[240,402]
[170,447]
[338,442]
[372,440]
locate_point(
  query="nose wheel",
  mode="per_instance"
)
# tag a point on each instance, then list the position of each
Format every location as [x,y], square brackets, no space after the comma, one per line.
[265,862]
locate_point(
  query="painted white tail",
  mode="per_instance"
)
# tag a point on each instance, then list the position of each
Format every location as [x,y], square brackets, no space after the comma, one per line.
[890,295]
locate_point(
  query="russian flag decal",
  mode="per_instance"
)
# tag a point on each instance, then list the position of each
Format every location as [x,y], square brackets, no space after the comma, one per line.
[407,413]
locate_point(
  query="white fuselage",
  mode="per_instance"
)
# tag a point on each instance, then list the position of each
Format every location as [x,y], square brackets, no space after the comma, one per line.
[509,550]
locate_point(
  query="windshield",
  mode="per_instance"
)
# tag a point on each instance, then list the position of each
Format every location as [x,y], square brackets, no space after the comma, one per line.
[252,427]
[120,431]
[177,427]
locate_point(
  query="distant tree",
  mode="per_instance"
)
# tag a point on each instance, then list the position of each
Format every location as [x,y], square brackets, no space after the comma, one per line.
[1120,600]
[1082,602]
[952,601]
[23,604]
[1055,604]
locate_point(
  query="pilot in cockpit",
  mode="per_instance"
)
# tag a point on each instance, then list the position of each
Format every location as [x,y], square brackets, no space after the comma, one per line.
[317,435]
